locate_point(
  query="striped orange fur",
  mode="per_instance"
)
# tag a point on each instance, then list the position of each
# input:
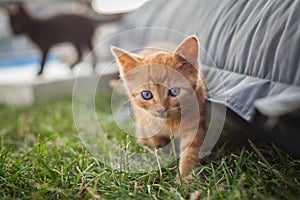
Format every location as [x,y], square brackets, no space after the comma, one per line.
[167,93]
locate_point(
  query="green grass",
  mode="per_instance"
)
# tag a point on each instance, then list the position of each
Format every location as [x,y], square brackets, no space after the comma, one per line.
[42,157]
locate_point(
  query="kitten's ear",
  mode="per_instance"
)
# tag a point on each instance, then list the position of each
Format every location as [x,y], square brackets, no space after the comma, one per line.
[188,50]
[127,61]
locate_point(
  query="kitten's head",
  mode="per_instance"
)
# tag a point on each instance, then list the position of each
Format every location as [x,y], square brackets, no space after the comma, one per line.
[18,19]
[158,83]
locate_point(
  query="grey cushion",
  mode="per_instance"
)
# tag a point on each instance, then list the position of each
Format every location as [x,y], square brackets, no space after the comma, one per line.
[254,44]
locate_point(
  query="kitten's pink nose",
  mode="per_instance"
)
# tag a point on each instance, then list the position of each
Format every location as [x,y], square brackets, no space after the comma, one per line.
[161,110]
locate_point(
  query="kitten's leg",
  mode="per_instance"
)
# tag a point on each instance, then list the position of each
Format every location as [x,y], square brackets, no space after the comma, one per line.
[44,57]
[190,145]
[157,141]
[146,136]
[79,56]
[94,58]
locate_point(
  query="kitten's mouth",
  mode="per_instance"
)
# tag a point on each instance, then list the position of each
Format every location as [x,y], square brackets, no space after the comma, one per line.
[168,114]
[161,116]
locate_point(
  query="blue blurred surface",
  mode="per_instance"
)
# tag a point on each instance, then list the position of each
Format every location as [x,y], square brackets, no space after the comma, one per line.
[21,62]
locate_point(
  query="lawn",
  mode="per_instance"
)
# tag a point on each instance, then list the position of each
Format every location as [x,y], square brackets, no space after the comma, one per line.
[42,157]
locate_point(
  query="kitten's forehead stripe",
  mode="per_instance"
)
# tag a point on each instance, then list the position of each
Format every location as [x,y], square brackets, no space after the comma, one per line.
[160,91]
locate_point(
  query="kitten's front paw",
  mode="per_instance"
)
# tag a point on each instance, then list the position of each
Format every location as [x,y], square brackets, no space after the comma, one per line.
[146,143]
[187,163]
[184,179]
[153,142]
[185,168]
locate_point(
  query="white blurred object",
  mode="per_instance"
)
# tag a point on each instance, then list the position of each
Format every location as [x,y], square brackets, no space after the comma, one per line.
[116,6]
[26,74]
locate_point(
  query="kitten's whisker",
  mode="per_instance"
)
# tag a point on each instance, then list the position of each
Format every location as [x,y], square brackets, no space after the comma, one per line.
[124,103]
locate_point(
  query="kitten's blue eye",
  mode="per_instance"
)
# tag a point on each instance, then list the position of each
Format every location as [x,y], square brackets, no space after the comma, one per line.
[147,95]
[173,92]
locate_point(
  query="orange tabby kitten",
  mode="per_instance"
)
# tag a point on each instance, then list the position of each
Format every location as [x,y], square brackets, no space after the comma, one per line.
[167,93]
